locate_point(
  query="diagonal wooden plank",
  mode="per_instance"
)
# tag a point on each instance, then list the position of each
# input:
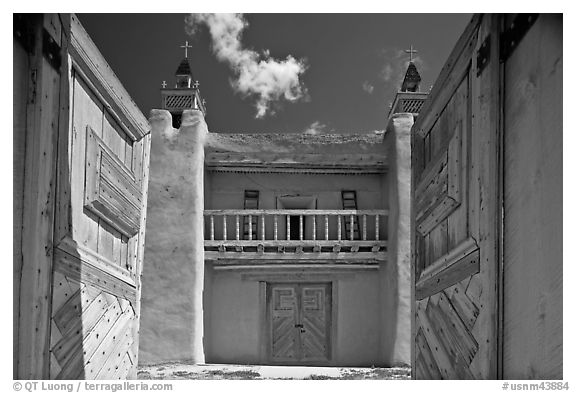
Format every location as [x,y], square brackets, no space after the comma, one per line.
[73,363]
[107,345]
[118,349]
[422,372]
[467,310]
[474,289]
[61,291]
[121,370]
[458,362]
[437,348]
[89,316]
[463,338]
[427,357]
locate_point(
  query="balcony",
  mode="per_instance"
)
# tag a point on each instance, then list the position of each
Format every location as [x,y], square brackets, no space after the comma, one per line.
[266,237]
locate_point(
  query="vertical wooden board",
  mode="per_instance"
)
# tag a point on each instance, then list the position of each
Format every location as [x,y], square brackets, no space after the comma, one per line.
[19,98]
[106,241]
[533,218]
[113,136]
[145,167]
[128,152]
[484,170]
[42,120]
[123,261]
[87,111]
[438,241]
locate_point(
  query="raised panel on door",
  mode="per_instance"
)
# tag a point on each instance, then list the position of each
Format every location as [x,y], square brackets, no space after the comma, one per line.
[455,220]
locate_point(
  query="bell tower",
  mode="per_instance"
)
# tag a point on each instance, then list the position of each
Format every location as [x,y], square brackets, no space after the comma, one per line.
[409,99]
[186,91]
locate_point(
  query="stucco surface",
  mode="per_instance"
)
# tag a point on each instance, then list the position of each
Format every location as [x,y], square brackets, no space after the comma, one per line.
[395,273]
[235,314]
[172,281]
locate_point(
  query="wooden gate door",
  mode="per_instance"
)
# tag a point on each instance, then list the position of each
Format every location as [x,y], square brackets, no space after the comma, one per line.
[300,322]
[80,230]
[532,269]
[99,225]
[456,215]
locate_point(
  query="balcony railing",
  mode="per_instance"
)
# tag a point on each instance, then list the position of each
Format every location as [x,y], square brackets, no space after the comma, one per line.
[320,232]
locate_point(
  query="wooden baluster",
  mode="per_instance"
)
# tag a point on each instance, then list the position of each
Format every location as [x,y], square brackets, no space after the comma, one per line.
[301,227]
[314,227]
[211,227]
[326,227]
[224,229]
[275,227]
[351,226]
[339,228]
[249,226]
[364,227]
[377,234]
[287,227]
[263,237]
[237,227]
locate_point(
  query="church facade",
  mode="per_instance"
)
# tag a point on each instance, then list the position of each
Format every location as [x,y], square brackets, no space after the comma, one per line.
[286,249]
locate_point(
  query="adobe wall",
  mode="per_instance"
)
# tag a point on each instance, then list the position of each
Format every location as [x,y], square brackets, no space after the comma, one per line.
[234,329]
[395,274]
[173,271]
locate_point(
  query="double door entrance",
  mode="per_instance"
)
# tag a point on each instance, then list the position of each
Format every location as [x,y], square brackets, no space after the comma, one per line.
[299,319]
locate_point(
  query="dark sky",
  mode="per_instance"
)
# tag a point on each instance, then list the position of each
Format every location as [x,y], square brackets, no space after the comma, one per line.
[354,63]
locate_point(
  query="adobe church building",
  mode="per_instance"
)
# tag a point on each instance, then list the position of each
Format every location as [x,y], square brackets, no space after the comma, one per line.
[285,249]
[437,243]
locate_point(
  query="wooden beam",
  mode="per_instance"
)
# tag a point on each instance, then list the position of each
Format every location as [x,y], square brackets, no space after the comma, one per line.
[297,257]
[295,243]
[357,267]
[294,212]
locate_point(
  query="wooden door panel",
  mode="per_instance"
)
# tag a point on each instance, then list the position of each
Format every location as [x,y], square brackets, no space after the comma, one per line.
[315,319]
[95,294]
[283,313]
[454,260]
[300,322]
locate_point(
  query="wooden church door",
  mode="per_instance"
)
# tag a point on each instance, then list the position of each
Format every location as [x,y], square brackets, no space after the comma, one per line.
[300,322]
[456,215]
[99,226]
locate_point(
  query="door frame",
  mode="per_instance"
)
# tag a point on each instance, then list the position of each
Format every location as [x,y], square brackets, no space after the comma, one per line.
[266,329]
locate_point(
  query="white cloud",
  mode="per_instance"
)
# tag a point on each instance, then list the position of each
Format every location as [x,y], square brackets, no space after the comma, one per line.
[268,79]
[316,128]
[367,87]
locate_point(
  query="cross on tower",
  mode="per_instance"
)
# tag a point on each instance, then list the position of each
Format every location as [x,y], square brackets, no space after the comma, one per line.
[411,51]
[186,46]
[163,84]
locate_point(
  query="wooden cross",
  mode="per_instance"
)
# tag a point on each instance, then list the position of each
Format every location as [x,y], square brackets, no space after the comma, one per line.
[163,84]
[186,46]
[411,51]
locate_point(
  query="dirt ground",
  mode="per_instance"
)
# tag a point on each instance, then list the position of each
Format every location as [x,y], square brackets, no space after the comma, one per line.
[226,371]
